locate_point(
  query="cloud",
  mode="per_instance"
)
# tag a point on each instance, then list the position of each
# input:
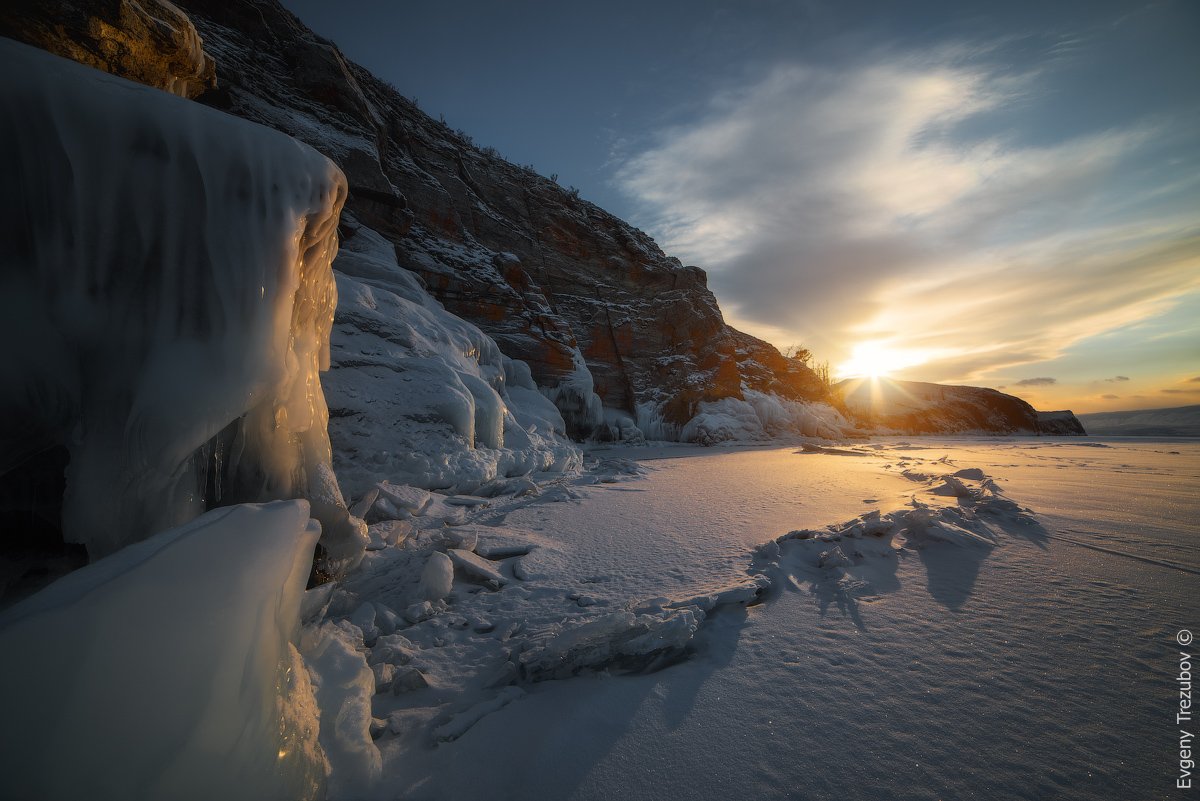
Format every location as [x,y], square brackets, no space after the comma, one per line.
[1117,378]
[1194,380]
[1110,397]
[1186,391]
[836,206]
[1036,382]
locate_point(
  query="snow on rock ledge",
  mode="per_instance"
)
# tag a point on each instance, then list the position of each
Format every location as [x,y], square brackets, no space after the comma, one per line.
[171,667]
[166,294]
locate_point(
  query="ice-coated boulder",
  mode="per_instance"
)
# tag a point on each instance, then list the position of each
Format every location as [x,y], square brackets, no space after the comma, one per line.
[762,416]
[437,577]
[166,291]
[171,666]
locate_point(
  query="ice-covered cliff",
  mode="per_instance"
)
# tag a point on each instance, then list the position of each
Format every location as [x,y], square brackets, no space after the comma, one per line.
[621,336]
[420,397]
[625,340]
[167,293]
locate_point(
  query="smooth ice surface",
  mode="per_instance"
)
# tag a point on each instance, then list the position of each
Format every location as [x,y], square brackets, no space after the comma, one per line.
[166,295]
[939,619]
[168,670]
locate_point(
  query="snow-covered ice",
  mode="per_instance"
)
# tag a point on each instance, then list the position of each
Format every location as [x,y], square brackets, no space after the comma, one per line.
[766,622]
[762,417]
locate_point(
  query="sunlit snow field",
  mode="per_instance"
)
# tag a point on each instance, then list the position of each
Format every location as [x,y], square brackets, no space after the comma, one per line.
[1042,667]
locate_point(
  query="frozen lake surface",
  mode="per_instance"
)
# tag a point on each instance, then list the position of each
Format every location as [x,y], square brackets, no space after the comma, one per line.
[1038,661]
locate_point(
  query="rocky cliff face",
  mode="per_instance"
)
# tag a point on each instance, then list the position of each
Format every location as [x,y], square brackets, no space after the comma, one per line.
[148,41]
[916,407]
[1061,423]
[589,302]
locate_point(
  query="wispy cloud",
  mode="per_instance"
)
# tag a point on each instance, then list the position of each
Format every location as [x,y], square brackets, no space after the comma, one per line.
[1036,382]
[841,206]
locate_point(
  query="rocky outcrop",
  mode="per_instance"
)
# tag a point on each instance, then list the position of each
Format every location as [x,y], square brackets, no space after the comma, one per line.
[148,41]
[1062,423]
[916,407]
[589,302]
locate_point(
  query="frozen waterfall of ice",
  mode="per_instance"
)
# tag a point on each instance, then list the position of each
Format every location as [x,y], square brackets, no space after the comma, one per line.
[167,297]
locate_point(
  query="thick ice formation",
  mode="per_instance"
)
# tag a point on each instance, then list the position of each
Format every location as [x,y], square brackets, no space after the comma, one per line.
[166,293]
[611,641]
[171,668]
[575,396]
[344,686]
[762,416]
[424,398]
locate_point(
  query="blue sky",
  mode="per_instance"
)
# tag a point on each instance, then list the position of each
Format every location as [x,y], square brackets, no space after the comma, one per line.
[970,193]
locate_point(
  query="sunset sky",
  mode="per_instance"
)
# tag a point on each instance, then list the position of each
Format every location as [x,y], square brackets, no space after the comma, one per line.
[1004,195]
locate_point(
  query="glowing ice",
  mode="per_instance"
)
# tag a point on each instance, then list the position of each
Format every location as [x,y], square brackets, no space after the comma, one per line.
[166,272]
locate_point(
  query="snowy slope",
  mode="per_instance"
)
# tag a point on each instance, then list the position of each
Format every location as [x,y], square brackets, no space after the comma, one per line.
[1181,421]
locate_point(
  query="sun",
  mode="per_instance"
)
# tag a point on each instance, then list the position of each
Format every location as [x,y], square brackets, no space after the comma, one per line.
[870,360]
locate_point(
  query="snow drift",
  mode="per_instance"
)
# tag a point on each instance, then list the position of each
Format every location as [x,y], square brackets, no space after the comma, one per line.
[167,295]
[173,666]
